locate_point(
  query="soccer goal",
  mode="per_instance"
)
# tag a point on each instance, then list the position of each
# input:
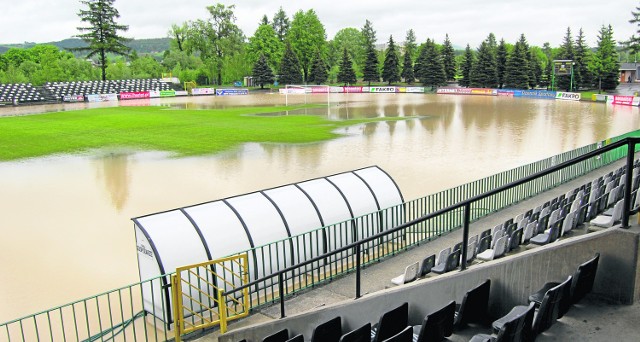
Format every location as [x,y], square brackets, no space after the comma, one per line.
[306,90]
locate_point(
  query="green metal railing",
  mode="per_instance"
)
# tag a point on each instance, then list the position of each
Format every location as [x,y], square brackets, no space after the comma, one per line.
[120,314]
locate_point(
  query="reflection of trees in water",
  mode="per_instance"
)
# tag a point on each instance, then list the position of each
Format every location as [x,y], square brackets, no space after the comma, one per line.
[113,168]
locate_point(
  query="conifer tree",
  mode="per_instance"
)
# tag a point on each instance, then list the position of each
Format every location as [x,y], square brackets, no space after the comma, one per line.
[563,82]
[102,33]
[281,24]
[290,69]
[604,62]
[319,72]
[420,60]
[370,71]
[346,75]
[582,76]
[431,68]
[485,73]
[517,68]
[262,73]
[448,59]
[467,67]
[410,45]
[501,62]
[407,68]
[391,67]
[548,68]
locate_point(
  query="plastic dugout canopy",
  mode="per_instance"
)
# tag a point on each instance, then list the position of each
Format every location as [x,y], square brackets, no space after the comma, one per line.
[212,230]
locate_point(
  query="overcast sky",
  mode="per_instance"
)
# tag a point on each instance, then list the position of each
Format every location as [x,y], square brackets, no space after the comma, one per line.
[466,21]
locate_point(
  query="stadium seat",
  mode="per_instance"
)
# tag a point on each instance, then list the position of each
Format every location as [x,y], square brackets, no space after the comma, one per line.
[436,325]
[452,262]
[606,221]
[474,305]
[391,323]
[514,326]
[362,334]
[406,335]
[498,251]
[329,331]
[410,274]
[426,265]
[280,336]
[565,296]
[297,338]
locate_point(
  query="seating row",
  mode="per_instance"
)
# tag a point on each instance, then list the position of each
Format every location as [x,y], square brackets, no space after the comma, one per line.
[393,325]
[61,89]
[20,92]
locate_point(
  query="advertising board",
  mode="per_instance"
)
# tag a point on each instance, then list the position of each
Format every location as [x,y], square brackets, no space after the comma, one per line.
[538,94]
[203,91]
[134,95]
[73,98]
[102,97]
[352,89]
[229,92]
[167,93]
[382,89]
[561,95]
[624,100]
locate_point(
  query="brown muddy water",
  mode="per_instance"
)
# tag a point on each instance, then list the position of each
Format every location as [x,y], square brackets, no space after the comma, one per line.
[65,220]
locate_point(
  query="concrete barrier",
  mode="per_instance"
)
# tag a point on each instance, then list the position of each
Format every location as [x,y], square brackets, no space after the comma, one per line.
[513,279]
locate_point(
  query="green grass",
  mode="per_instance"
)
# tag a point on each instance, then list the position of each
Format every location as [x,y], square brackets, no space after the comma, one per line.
[183,132]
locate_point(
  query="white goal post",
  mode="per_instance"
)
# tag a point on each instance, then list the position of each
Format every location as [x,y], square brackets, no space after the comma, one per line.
[306,89]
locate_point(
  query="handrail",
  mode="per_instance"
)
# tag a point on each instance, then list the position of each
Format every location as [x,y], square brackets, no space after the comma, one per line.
[629,141]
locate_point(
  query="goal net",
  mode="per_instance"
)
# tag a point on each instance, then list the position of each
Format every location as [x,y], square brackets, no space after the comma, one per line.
[297,94]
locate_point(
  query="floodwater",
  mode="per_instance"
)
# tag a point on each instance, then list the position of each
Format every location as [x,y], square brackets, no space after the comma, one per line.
[65,220]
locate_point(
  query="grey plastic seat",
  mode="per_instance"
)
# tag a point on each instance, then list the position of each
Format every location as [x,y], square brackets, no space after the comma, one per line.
[565,296]
[528,232]
[442,256]
[436,325]
[362,334]
[498,251]
[515,326]
[474,305]
[606,221]
[410,274]
[391,323]
[426,265]
[545,238]
[329,331]
[452,262]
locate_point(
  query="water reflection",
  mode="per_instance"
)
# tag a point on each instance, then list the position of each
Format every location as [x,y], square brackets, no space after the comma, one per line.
[66,219]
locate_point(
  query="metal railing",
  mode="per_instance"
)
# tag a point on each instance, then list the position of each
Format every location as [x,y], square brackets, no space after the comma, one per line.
[317,256]
[626,146]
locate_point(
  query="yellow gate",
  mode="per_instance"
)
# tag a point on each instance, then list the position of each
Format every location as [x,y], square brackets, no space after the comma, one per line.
[197,294]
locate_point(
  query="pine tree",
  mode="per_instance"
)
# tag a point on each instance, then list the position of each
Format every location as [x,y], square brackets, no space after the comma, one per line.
[582,76]
[604,62]
[517,68]
[501,62]
[391,67]
[485,73]
[290,70]
[407,68]
[448,59]
[346,75]
[548,68]
[262,73]
[370,71]
[319,72]
[467,67]
[431,68]
[102,33]
[281,24]
[410,45]
[563,82]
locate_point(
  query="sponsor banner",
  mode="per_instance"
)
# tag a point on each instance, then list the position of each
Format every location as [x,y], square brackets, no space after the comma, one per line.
[154,93]
[561,95]
[625,100]
[468,91]
[382,89]
[414,89]
[319,90]
[366,89]
[135,95]
[484,91]
[506,92]
[102,97]
[336,89]
[352,89]
[538,94]
[295,91]
[73,98]
[401,89]
[203,91]
[599,98]
[228,92]
[182,93]
[167,93]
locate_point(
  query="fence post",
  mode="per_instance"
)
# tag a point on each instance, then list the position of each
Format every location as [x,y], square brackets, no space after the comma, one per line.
[281,289]
[465,235]
[628,183]
[358,271]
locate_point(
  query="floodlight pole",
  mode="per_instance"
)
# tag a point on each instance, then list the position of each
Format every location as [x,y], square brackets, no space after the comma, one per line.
[571,82]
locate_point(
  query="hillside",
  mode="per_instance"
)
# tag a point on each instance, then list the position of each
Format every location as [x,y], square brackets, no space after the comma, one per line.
[141,46]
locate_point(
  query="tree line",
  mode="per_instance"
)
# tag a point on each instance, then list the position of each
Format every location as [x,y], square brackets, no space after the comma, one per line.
[295,50]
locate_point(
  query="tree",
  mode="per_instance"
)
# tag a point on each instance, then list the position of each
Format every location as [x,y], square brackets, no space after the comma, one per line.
[467,67]
[501,62]
[265,42]
[485,73]
[350,38]
[264,20]
[566,52]
[535,69]
[448,59]
[517,68]
[217,39]
[262,73]
[431,67]
[370,71]
[145,67]
[280,24]
[290,71]
[407,68]
[346,74]
[178,35]
[391,66]
[369,34]
[102,33]
[307,35]
[410,45]
[548,68]
[319,73]
[582,77]
[604,62]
